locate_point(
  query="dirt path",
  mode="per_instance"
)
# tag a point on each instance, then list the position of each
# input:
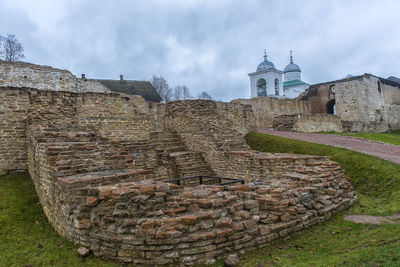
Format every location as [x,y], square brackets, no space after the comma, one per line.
[394,219]
[378,149]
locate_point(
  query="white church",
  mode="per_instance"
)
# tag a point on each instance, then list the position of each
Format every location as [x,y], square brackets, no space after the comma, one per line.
[268,81]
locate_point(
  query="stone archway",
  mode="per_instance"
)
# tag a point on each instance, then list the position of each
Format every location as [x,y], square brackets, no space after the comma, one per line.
[331,107]
[261,87]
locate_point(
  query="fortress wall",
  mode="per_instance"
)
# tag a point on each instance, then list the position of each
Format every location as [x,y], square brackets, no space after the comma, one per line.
[157,223]
[14,104]
[210,127]
[21,74]
[116,117]
[91,195]
[363,102]
[260,167]
[80,152]
[311,123]
[267,108]
[391,115]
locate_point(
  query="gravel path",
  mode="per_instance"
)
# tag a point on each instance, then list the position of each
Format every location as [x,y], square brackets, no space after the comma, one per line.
[378,149]
[394,219]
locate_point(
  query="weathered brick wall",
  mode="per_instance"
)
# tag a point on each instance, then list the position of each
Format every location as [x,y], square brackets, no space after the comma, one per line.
[159,223]
[210,127]
[363,103]
[21,74]
[14,105]
[311,123]
[84,165]
[265,109]
[114,116]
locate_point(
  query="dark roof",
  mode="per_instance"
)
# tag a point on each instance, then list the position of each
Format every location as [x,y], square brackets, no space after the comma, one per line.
[142,88]
[394,79]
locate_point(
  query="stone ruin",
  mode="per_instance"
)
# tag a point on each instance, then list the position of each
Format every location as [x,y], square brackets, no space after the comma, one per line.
[100,162]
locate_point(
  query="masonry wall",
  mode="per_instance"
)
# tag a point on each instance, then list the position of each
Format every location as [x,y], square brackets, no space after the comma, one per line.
[155,223]
[116,117]
[14,105]
[210,127]
[21,74]
[391,94]
[312,123]
[96,163]
[363,103]
[265,109]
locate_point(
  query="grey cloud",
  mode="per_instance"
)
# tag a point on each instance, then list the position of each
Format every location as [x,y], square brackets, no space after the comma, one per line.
[208,45]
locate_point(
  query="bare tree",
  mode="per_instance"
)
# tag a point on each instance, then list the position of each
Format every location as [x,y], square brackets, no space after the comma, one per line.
[162,87]
[178,92]
[186,92]
[11,49]
[181,92]
[204,95]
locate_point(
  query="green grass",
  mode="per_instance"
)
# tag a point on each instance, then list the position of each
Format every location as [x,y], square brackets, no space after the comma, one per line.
[338,242]
[390,137]
[27,239]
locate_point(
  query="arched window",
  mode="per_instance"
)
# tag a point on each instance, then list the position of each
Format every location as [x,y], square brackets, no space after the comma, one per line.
[379,87]
[332,91]
[276,87]
[331,107]
[261,87]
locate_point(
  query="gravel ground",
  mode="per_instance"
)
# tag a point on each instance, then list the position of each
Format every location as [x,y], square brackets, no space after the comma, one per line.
[394,219]
[385,151]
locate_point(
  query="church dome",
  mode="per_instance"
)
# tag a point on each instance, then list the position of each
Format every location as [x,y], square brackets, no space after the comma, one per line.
[265,64]
[291,67]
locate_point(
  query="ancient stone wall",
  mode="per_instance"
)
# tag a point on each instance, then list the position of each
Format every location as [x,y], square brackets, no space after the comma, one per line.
[210,127]
[308,123]
[14,105]
[21,74]
[265,109]
[360,102]
[312,123]
[98,162]
[391,94]
[122,213]
[114,116]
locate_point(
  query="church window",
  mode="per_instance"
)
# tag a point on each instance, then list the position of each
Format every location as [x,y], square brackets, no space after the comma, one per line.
[261,87]
[276,87]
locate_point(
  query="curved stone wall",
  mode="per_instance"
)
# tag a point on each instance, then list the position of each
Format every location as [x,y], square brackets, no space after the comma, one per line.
[158,223]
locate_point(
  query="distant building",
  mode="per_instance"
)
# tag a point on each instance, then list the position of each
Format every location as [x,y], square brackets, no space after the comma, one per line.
[268,81]
[364,103]
[130,87]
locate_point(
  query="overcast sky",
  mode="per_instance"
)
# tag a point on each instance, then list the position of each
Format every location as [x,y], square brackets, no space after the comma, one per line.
[207,45]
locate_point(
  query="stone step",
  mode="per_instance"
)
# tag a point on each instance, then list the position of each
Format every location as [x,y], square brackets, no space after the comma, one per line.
[108,177]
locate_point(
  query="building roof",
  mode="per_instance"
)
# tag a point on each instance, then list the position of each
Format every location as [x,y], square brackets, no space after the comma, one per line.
[293,83]
[265,64]
[394,79]
[291,66]
[142,88]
